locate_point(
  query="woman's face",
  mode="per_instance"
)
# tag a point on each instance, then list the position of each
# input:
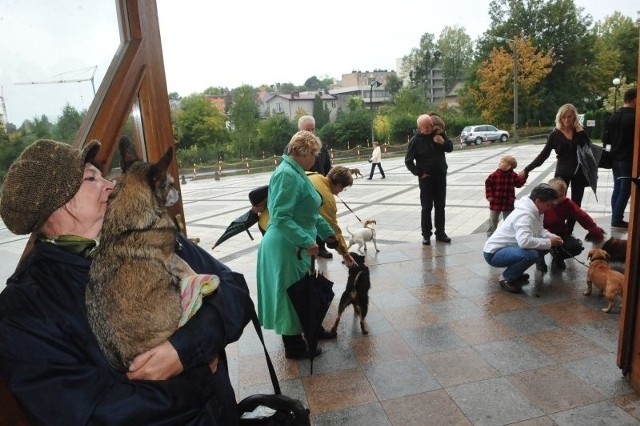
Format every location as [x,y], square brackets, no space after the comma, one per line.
[307,160]
[89,205]
[568,119]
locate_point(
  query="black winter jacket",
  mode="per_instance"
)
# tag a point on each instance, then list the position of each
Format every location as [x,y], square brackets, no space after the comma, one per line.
[619,132]
[426,156]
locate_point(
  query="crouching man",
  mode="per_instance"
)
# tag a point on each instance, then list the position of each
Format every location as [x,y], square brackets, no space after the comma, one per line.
[521,240]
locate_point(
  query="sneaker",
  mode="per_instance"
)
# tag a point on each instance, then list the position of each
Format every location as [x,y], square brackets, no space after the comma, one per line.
[443,238]
[622,224]
[541,266]
[325,254]
[511,286]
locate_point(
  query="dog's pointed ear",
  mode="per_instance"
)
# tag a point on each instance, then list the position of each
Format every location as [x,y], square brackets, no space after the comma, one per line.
[160,170]
[128,154]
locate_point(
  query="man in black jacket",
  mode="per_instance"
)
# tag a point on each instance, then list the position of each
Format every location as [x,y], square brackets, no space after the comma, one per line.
[619,131]
[425,159]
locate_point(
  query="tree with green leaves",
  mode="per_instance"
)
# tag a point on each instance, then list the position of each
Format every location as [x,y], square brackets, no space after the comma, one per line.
[42,127]
[244,117]
[321,112]
[199,124]
[274,134]
[392,85]
[456,51]
[420,63]
[68,124]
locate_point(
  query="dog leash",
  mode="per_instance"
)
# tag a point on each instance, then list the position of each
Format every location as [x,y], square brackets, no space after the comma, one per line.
[572,256]
[347,206]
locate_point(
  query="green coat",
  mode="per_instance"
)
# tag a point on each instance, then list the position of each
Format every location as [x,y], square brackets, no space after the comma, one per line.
[294,222]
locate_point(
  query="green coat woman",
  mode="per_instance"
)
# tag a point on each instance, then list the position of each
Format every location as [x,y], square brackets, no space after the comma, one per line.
[294,223]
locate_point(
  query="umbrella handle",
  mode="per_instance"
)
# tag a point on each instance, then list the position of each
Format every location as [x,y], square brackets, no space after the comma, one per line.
[313,258]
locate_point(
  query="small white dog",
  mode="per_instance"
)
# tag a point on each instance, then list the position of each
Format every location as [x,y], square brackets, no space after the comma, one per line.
[362,235]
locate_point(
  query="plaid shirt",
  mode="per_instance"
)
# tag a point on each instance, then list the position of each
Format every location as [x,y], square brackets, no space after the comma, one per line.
[500,187]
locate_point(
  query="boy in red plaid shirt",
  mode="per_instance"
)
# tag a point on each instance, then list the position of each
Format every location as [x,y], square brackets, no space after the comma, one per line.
[500,191]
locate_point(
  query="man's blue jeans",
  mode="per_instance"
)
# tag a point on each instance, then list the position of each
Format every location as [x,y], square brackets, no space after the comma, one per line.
[621,190]
[516,259]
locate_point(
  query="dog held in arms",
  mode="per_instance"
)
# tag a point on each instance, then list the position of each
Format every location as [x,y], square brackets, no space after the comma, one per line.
[603,277]
[133,297]
[362,235]
[356,293]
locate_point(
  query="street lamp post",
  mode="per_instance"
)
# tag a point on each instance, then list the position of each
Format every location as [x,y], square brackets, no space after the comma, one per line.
[616,84]
[373,82]
[515,85]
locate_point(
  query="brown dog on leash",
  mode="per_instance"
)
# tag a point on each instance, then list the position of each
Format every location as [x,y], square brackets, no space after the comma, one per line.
[603,277]
[133,295]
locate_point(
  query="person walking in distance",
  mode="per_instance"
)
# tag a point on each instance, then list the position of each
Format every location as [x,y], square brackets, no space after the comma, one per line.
[619,130]
[376,160]
[425,159]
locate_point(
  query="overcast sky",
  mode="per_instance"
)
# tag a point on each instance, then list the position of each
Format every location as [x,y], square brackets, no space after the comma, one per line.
[221,43]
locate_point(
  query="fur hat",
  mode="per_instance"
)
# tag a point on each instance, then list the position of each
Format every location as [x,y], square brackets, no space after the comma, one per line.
[44,178]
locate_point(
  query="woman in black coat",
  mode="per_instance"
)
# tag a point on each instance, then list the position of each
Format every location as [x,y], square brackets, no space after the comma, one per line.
[49,356]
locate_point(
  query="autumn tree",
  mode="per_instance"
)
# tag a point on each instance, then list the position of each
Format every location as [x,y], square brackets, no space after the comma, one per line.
[495,93]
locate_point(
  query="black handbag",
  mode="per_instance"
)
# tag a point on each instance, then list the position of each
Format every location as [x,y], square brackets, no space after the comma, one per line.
[288,411]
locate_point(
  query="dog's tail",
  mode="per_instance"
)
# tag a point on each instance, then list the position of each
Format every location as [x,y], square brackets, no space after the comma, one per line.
[349,230]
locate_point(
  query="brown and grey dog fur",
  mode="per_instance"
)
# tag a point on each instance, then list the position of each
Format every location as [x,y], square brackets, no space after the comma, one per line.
[356,293]
[355,172]
[362,235]
[617,249]
[133,295]
[608,281]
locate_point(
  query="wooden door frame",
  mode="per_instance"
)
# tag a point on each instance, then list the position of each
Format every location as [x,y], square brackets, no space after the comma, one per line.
[136,73]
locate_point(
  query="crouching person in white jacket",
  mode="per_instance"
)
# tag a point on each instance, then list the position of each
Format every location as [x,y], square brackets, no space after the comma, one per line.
[521,240]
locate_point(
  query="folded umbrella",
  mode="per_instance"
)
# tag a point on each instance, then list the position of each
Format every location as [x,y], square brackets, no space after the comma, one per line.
[243,223]
[589,163]
[311,297]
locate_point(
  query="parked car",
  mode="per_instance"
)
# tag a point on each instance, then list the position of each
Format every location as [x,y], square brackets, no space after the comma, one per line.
[482,132]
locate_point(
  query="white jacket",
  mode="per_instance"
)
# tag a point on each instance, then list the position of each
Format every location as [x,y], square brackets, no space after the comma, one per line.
[523,227]
[376,155]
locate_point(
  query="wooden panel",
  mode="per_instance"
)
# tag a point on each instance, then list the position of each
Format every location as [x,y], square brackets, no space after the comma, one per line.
[628,357]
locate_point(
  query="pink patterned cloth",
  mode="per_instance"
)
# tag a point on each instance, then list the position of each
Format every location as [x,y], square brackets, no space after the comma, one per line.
[193,288]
